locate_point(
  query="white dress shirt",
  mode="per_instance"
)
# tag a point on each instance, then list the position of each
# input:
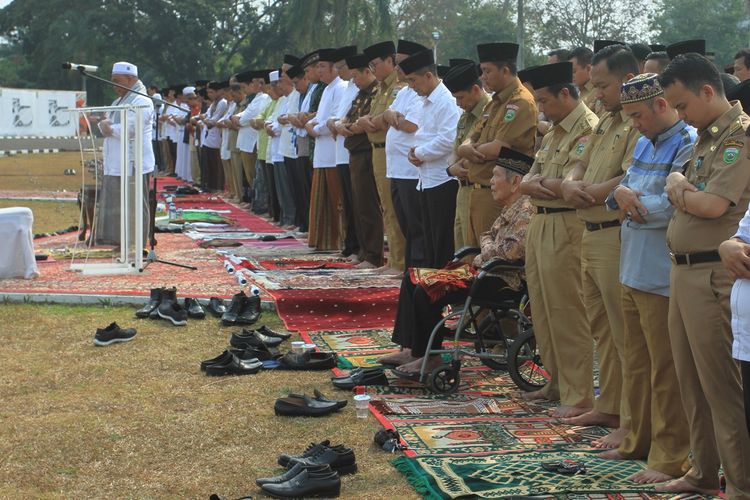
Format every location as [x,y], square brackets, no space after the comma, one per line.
[397,142]
[212,136]
[288,139]
[305,107]
[740,302]
[111,147]
[274,140]
[325,145]
[437,117]
[225,153]
[247,136]
[344,104]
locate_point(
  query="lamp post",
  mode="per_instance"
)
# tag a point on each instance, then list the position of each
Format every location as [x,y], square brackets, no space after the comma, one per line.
[436,37]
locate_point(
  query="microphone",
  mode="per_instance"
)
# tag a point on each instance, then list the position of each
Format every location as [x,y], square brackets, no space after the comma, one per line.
[80,67]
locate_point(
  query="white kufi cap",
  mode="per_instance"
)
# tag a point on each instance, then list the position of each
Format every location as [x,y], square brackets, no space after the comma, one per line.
[188,90]
[273,76]
[124,68]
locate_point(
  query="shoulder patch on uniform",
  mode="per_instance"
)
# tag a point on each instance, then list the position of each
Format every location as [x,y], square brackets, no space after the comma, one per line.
[510,112]
[581,145]
[730,155]
[729,143]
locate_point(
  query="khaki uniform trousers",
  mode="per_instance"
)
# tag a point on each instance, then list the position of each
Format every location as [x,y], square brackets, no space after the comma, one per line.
[195,166]
[396,240]
[461,226]
[553,274]
[248,166]
[659,428]
[710,386]
[236,180]
[166,155]
[600,267]
[483,211]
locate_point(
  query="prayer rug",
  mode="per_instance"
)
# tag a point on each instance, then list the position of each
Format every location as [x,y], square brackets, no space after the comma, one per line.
[347,361]
[398,406]
[355,308]
[477,381]
[232,235]
[315,279]
[308,262]
[351,341]
[521,474]
[482,434]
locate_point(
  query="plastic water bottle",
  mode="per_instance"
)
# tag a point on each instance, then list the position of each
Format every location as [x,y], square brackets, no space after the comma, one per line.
[254,291]
[241,279]
[172,211]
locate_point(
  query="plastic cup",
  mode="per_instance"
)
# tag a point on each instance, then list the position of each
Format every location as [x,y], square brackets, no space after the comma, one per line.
[361,405]
[298,347]
[309,347]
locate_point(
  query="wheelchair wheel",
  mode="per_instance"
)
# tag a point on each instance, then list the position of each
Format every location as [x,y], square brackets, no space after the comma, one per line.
[444,379]
[524,363]
[493,342]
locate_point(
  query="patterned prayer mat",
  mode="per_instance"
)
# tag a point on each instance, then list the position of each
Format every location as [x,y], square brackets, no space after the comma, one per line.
[477,381]
[476,435]
[347,361]
[352,341]
[317,279]
[396,406]
[512,474]
[307,262]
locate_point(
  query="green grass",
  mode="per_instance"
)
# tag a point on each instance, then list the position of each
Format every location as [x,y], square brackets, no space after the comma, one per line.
[49,216]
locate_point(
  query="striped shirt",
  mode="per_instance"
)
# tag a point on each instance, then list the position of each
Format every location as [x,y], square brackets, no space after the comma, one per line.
[644,256]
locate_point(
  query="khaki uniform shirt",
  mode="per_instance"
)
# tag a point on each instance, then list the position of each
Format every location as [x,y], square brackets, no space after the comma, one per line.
[511,116]
[553,160]
[386,93]
[718,165]
[467,121]
[588,95]
[607,154]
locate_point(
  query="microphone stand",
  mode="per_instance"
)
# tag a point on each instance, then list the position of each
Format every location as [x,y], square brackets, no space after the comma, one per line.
[151,257]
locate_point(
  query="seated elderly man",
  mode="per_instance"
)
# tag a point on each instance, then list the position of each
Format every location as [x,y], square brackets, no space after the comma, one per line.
[420,307]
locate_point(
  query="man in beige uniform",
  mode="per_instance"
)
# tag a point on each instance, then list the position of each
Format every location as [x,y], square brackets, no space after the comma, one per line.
[509,120]
[553,244]
[383,63]
[710,199]
[581,58]
[463,82]
[599,167]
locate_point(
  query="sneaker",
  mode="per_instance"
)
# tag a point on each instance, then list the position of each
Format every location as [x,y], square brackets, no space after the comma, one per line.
[170,309]
[113,334]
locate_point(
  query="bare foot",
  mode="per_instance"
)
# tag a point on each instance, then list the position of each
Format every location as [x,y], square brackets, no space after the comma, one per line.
[568,411]
[681,485]
[365,265]
[611,455]
[611,440]
[649,476]
[593,417]
[416,365]
[389,271]
[397,358]
[533,395]
[354,259]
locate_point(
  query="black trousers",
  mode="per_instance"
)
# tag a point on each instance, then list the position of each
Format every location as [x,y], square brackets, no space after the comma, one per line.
[409,215]
[274,209]
[351,243]
[366,207]
[745,367]
[173,159]
[438,207]
[301,185]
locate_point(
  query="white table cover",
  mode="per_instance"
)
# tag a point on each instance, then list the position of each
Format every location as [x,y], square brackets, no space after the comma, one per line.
[17,243]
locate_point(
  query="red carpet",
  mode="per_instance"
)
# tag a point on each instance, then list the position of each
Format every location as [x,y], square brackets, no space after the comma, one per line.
[337,309]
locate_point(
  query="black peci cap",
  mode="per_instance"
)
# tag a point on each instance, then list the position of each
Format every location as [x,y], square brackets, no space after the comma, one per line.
[515,161]
[417,61]
[295,71]
[497,52]
[740,92]
[600,44]
[640,50]
[201,83]
[442,70]
[344,52]
[549,74]
[214,85]
[685,47]
[381,49]
[291,59]
[459,62]
[245,76]
[309,59]
[657,47]
[327,55]
[461,77]
[409,48]
[358,61]
[523,74]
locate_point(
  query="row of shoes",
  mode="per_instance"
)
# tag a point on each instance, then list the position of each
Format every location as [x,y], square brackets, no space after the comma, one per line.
[242,310]
[113,334]
[163,303]
[315,472]
[250,351]
[302,405]
[360,377]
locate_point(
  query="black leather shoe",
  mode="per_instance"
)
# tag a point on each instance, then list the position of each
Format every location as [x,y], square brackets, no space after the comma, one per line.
[340,458]
[363,377]
[235,366]
[250,311]
[270,333]
[262,353]
[306,484]
[194,308]
[296,405]
[319,396]
[153,303]
[226,356]
[308,361]
[216,306]
[235,307]
[291,473]
[311,450]
[253,338]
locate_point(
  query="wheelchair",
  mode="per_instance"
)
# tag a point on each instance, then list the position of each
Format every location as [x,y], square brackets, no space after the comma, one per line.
[480,321]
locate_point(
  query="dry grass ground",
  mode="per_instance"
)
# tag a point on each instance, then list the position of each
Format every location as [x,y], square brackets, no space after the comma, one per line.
[40,172]
[139,420]
[49,216]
